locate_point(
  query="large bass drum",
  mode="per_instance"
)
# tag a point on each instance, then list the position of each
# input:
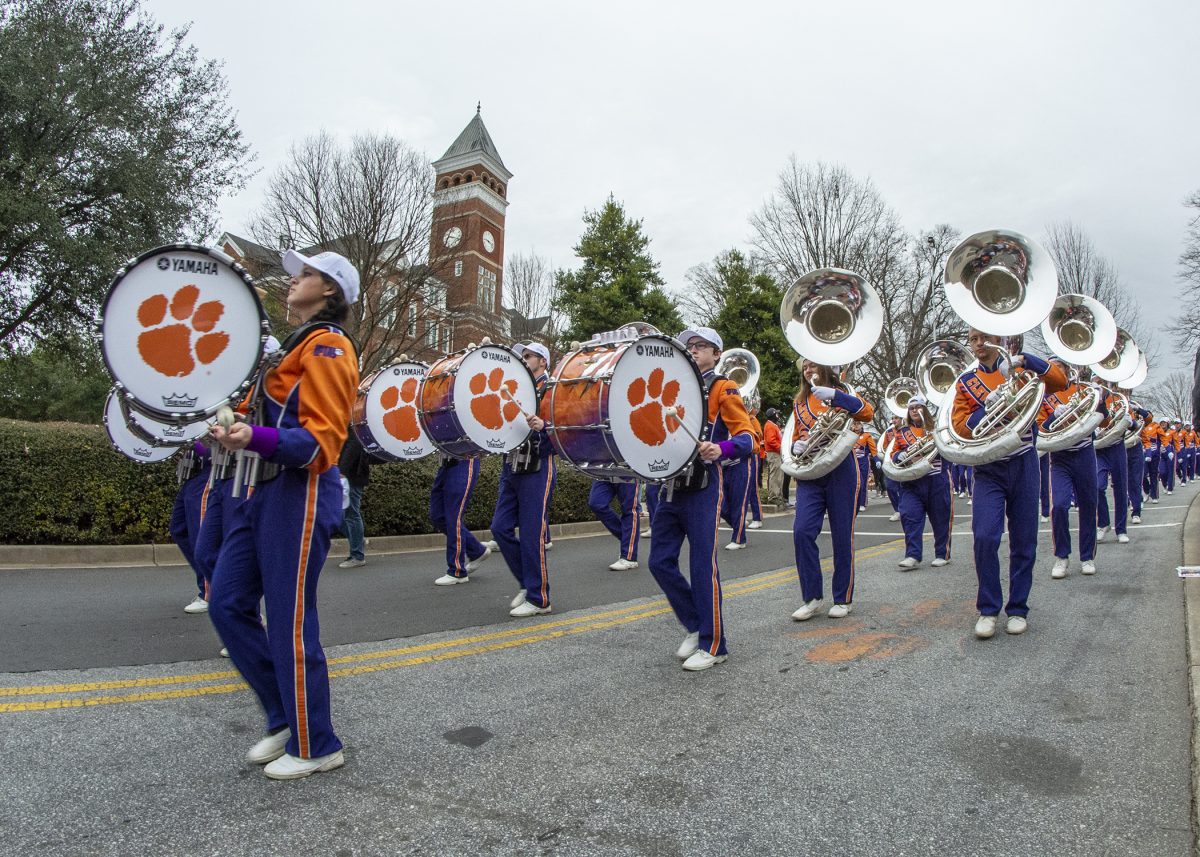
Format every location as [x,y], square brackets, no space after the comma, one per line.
[608,406]
[471,402]
[385,418]
[182,332]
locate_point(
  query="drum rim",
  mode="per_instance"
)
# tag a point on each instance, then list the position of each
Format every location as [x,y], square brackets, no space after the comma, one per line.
[606,379]
[264,330]
[112,442]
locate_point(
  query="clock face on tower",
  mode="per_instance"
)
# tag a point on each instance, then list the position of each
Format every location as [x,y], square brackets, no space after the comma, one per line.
[452,236]
[489,242]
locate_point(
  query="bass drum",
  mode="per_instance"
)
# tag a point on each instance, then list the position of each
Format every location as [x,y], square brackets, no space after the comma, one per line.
[608,404]
[131,445]
[182,332]
[471,402]
[385,418]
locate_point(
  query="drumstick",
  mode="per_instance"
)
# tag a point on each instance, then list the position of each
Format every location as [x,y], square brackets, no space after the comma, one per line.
[673,411]
[506,394]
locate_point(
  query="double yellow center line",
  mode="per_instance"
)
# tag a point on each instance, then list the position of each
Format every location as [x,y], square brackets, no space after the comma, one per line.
[87,694]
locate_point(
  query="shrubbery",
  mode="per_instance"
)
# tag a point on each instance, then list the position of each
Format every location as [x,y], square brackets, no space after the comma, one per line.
[62,483]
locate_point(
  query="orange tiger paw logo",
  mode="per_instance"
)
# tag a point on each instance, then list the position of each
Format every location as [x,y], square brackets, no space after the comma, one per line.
[650,399]
[401,422]
[489,407]
[169,349]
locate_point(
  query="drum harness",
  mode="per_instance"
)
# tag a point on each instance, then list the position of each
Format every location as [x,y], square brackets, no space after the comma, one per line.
[250,469]
[694,477]
[527,457]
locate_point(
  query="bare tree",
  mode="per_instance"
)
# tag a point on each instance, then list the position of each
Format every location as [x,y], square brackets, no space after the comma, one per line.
[1187,328]
[371,201]
[1170,398]
[823,216]
[529,291]
[1082,270]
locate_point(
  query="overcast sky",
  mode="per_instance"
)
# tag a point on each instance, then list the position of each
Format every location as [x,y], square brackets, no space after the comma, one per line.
[1011,114]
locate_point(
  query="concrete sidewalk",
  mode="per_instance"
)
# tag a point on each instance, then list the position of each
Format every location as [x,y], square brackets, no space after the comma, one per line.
[1191,599]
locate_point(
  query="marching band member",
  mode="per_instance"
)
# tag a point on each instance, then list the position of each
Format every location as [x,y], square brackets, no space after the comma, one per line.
[890,485]
[526,486]
[756,461]
[1072,472]
[773,441]
[187,517]
[1191,452]
[448,500]
[1137,468]
[1113,463]
[834,494]
[864,451]
[628,526]
[690,506]
[1152,451]
[281,532]
[736,494]
[1166,457]
[928,496]
[1007,487]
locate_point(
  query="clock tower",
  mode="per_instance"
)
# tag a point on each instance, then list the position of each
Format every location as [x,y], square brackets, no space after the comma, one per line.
[468,232]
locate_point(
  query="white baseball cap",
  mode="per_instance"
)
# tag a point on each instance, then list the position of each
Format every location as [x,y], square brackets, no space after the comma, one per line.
[331,264]
[534,348]
[706,333]
[917,401]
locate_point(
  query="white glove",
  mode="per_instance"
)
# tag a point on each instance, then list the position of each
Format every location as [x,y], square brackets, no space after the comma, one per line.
[799,446]
[823,394]
[1170,456]
[993,400]
[1147,459]
[901,456]
[1060,410]
[1004,367]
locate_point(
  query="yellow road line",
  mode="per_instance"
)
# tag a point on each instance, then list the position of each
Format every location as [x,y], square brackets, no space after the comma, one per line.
[369,662]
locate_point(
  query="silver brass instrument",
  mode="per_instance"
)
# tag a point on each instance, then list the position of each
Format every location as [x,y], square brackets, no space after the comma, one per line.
[742,368]
[1133,434]
[1077,424]
[1119,421]
[1120,362]
[832,317]
[1079,329]
[918,459]
[1002,283]
[897,394]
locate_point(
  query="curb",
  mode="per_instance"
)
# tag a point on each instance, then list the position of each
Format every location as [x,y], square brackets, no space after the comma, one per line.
[14,557]
[1191,609]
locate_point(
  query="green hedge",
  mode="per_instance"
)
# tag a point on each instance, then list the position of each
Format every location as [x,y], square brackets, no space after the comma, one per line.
[62,483]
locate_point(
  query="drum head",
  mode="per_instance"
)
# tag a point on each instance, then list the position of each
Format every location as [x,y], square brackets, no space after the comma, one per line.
[490,418]
[125,441]
[651,375]
[390,412]
[182,331]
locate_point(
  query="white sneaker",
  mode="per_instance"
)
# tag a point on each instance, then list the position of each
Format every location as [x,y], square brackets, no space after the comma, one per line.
[985,627]
[518,599]
[862,508]
[224,653]
[450,580]
[895,516]
[269,748]
[645,534]
[1045,519]
[624,564]
[1016,625]
[838,611]
[1101,532]
[479,560]
[1136,519]
[198,605]
[1154,500]
[293,768]
[1169,492]
[1060,569]
[688,647]
[351,562]
[970,501]
[754,525]
[526,609]
[938,562]
[733,546]
[1122,539]
[492,545]
[549,545]
[702,661]
[908,563]
[807,610]
[1089,567]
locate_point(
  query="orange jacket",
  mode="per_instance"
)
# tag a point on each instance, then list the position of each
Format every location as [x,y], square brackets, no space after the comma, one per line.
[772,437]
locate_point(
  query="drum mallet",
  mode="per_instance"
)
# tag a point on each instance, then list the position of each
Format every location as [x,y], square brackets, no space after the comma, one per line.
[673,411]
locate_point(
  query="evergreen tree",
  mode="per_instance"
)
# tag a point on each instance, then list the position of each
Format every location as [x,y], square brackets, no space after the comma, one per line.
[749,318]
[618,282]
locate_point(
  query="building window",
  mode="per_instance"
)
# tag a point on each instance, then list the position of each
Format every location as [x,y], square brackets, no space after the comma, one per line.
[485,294]
[445,343]
[458,268]
[431,335]
[412,320]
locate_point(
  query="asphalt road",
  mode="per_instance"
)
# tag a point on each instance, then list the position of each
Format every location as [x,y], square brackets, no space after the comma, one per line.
[891,732]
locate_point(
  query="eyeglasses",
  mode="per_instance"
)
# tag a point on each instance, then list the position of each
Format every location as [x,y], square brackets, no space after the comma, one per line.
[699,345]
